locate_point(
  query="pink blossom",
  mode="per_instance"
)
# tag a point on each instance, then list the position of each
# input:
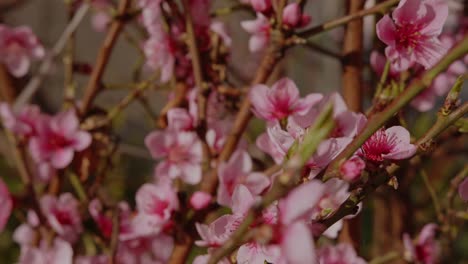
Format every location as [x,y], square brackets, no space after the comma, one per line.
[200,200]
[276,142]
[63,215]
[18,46]
[293,17]
[179,119]
[390,144]
[238,170]
[24,122]
[103,222]
[426,249]
[260,32]
[325,153]
[6,205]
[411,33]
[352,168]
[217,134]
[101,17]
[57,139]
[255,253]
[151,249]
[463,190]
[182,153]
[160,55]
[377,63]
[281,101]
[348,123]
[219,28]
[341,253]
[261,5]
[25,234]
[60,252]
[155,204]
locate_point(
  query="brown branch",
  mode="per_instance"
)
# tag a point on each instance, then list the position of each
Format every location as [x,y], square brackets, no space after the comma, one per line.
[94,83]
[180,92]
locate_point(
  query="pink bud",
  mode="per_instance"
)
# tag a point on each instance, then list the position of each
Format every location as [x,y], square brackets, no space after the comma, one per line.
[200,200]
[292,15]
[261,5]
[352,168]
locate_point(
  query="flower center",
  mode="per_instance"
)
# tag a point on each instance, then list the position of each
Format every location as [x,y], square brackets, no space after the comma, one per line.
[377,145]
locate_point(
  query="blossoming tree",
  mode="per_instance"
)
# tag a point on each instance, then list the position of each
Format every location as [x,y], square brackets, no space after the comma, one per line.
[303,188]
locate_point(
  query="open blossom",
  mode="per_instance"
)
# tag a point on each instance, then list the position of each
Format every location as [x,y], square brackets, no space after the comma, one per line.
[155,204]
[182,154]
[411,33]
[463,190]
[6,205]
[57,139]
[281,101]
[341,253]
[390,144]
[260,32]
[276,142]
[325,153]
[24,122]
[151,249]
[425,249]
[59,252]
[63,215]
[18,46]
[238,170]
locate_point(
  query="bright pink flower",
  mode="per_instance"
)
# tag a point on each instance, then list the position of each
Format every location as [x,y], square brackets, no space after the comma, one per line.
[390,144]
[182,153]
[160,55]
[260,31]
[103,221]
[23,123]
[411,33]
[341,253]
[18,46]
[58,138]
[261,5]
[351,169]
[281,101]
[238,171]
[293,17]
[60,252]
[63,215]
[463,190]
[276,142]
[6,205]
[155,204]
[200,200]
[426,249]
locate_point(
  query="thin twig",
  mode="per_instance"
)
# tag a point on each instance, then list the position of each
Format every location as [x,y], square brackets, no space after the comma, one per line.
[46,65]
[431,191]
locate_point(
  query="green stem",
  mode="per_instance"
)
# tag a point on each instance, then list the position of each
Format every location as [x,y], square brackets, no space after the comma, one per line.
[78,187]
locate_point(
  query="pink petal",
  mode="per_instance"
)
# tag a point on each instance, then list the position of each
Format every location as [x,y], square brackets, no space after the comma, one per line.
[258,43]
[200,200]
[302,107]
[156,143]
[292,14]
[261,105]
[298,245]
[242,199]
[386,30]
[65,123]
[437,20]
[409,11]
[6,205]
[81,140]
[61,158]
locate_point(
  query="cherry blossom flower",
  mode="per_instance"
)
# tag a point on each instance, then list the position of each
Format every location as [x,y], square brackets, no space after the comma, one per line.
[182,153]
[57,139]
[155,204]
[281,101]
[200,200]
[179,119]
[351,169]
[60,252]
[463,190]
[390,144]
[6,205]
[24,122]
[411,33]
[276,142]
[63,215]
[238,170]
[426,249]
[152,249]
[104,222]
[293,17]
[255,253]
[25,234]
[260,32]
[326,151]
[160,55]
[18,46]
[261,5]
[341,253]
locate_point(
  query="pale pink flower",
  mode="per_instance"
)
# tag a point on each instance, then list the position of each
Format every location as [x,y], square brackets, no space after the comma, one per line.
[238,170]
[326,151]
[200,200]
[348,123]
[182,154]
[411,33]
[293,17]
[276,142]
[463,190]
[217,134]
[160,55]
[25,234]
[6,205]
[151,249]
[351,169]
[18,46]
[281,101]
[179,119]
[261,5]
[63,215]
[60,252]
[425,249]
[155,204]
[260,32]
[57,139]
[390,144]
[255,253]
[341,253]
[24,122]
